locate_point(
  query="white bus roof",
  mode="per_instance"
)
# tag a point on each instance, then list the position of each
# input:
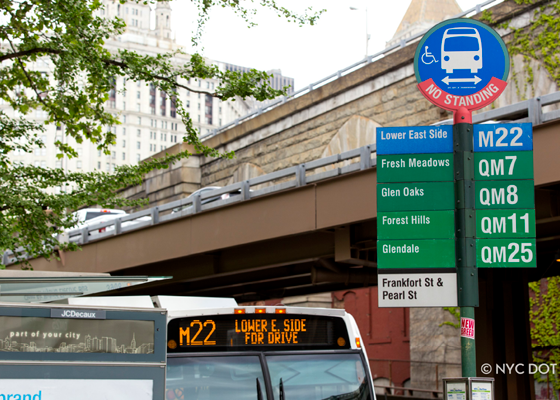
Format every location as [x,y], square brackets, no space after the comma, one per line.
[249,310]
[187,306]
[168,302]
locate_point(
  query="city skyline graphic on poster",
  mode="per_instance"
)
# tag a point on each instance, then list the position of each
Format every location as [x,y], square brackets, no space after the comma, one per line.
[58,335]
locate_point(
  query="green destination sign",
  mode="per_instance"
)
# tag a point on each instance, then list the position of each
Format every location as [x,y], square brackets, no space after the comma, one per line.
[503,165]
[503,223]
[506,253]
[415,168]
[416,225]
[504,194]
[421,196]
[438,253]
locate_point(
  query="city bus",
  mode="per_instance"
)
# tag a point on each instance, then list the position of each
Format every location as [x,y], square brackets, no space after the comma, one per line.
[269,352]
[218,350]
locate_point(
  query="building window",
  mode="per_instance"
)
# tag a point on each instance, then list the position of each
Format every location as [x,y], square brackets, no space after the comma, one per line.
[137,157]
[58,164]
[138,107]
[138,94]
[139,120]
[114,154]
[199,106]
[152,98]
[107,167]
[138,133]
[79,164]
[124,143]
[199,118]
[138,145]
[124,108]
[98,164]
[163,105]
[124,156]
[124,119]
[188,104]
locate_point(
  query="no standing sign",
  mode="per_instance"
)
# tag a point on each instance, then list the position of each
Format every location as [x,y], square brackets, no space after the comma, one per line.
[461,63]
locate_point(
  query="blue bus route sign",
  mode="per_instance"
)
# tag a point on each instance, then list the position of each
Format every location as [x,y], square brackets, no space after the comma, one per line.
[503,137]
[414,139]
[461,63]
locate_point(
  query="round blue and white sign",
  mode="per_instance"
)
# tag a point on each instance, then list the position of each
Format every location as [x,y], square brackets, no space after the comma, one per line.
[461,63]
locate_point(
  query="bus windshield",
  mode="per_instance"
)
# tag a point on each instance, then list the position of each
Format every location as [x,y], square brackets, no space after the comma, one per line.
[318,377]
[208,378]
[333,376]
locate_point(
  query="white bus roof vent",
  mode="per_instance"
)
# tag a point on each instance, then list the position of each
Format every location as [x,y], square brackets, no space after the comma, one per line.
[174,303]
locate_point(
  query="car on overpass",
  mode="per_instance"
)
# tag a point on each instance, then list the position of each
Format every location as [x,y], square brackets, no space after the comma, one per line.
[207,200]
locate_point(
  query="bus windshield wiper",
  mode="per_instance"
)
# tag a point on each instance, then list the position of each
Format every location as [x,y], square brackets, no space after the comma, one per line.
[259,392]
[281,388]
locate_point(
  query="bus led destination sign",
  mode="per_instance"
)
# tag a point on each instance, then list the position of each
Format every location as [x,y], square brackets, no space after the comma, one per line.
[222,332]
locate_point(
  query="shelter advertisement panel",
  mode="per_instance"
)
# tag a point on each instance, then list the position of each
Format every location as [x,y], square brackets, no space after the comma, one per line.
[65,335]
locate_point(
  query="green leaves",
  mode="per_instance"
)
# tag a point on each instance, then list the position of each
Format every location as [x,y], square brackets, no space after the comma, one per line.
[544,316]
[54,62]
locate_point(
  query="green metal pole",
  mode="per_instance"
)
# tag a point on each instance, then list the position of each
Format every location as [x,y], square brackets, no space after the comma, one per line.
[467,273]
[468,348]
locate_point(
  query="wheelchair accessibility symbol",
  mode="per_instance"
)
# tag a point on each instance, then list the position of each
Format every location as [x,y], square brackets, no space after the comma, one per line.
[428,58]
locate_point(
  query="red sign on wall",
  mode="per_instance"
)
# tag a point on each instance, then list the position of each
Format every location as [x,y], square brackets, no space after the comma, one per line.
[467,328]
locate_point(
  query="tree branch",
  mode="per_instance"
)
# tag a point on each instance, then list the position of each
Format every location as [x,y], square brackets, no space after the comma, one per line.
[123,65]
[28,52]
[31,83]
[120,64]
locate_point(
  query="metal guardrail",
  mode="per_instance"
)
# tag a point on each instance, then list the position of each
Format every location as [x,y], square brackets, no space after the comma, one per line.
[366,60]
[297,176]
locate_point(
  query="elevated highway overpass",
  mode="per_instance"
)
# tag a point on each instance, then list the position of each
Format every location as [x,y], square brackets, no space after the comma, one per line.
[313,229]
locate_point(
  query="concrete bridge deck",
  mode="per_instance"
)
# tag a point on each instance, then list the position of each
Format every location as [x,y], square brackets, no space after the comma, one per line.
[313,230]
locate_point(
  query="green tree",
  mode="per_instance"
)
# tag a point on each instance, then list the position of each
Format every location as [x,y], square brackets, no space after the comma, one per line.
[72,35]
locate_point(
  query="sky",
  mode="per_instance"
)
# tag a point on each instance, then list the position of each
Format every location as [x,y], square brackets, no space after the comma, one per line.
[307,53]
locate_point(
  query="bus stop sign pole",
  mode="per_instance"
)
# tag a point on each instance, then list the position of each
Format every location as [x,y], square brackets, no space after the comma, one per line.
[465,254]
[462,65]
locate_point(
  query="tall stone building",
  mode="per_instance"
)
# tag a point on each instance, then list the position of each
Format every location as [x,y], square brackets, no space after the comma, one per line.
[422,15]
[149,121]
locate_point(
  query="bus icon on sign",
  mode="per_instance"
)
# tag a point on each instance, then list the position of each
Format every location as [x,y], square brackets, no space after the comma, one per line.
[461,49]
